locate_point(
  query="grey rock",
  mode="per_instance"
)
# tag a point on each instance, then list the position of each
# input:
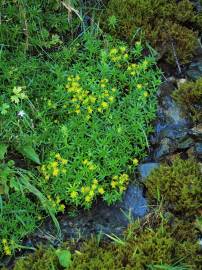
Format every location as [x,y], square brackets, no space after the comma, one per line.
[185,143]
[194,71]
[135,202]
[197,131]
[146,168]
[166,147]
[198,149]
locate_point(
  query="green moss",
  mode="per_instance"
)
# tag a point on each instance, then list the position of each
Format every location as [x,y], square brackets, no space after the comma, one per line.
[189,96]
[156,240]
[162,22]
[178,186]
[45,259]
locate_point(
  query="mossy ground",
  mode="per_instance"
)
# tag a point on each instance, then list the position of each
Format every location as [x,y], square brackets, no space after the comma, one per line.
[161,238]
[189,96]
[168,25]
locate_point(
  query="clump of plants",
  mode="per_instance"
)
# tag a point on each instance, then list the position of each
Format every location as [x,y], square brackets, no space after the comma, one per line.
[101,117]
[155,243]
[179,187]
[79,119]
[170,26]
[189,96]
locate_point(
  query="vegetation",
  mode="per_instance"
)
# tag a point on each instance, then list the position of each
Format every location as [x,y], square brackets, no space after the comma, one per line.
[179,187]
[159,242]
[76,109]
[74,116]
[168,25]
[189,96]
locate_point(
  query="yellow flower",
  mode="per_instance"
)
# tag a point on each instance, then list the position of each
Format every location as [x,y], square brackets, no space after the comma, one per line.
[95,181]
[139,86]
[4,241]
[64,170]
[58,156]
[55,172]
[83,190]
[113,51]
[77,111]
[125,56]
[90,110]
[73,194]
[111,99]
[54,164]
[58,200]
[87,198]
[91,193]
[113,184]
[122,49]
[85,161]
[102,85]
[47,177]
[92,99]
[135,161]
[61,207]
[94,186]
[104,104]
[121,188]
[101,190]
[145,94]
[7,250]
[64,161]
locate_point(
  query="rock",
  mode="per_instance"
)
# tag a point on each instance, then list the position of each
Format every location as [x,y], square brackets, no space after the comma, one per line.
[198,149]
[134,202]
[197,131]
[181,81]
[185,143]
[166,147]
[194,71]
[146,168]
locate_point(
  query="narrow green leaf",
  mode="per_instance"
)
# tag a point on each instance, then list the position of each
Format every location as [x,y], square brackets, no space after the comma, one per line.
[29,152]
[3,150]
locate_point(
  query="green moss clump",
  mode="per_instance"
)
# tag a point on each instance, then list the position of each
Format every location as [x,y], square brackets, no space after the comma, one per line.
[157,240]
[163,23]
[189,96]
[179,186]
[45,259]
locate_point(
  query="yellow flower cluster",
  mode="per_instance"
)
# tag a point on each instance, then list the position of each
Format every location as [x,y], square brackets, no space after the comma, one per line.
[86,101]
[118,54]
[89,165]
[6,247]
[90,192]
[120,182]
[133,69]
[56,203]
[55,167]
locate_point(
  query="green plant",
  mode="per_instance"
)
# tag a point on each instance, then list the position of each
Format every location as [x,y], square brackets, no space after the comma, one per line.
[189,96]
[168,25]
[102,116]
[179,186]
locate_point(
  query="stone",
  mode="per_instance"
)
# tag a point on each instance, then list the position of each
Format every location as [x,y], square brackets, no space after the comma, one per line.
[194,71]
[166,147]
[198,149]
[145,169]
[134,202]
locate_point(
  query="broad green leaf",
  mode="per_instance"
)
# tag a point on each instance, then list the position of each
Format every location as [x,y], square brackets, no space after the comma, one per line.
[3,150]
[64,257]
[29,152]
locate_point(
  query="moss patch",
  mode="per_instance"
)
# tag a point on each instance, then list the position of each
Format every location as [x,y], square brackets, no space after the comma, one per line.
[178,186]
[189,96]
[164,23]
